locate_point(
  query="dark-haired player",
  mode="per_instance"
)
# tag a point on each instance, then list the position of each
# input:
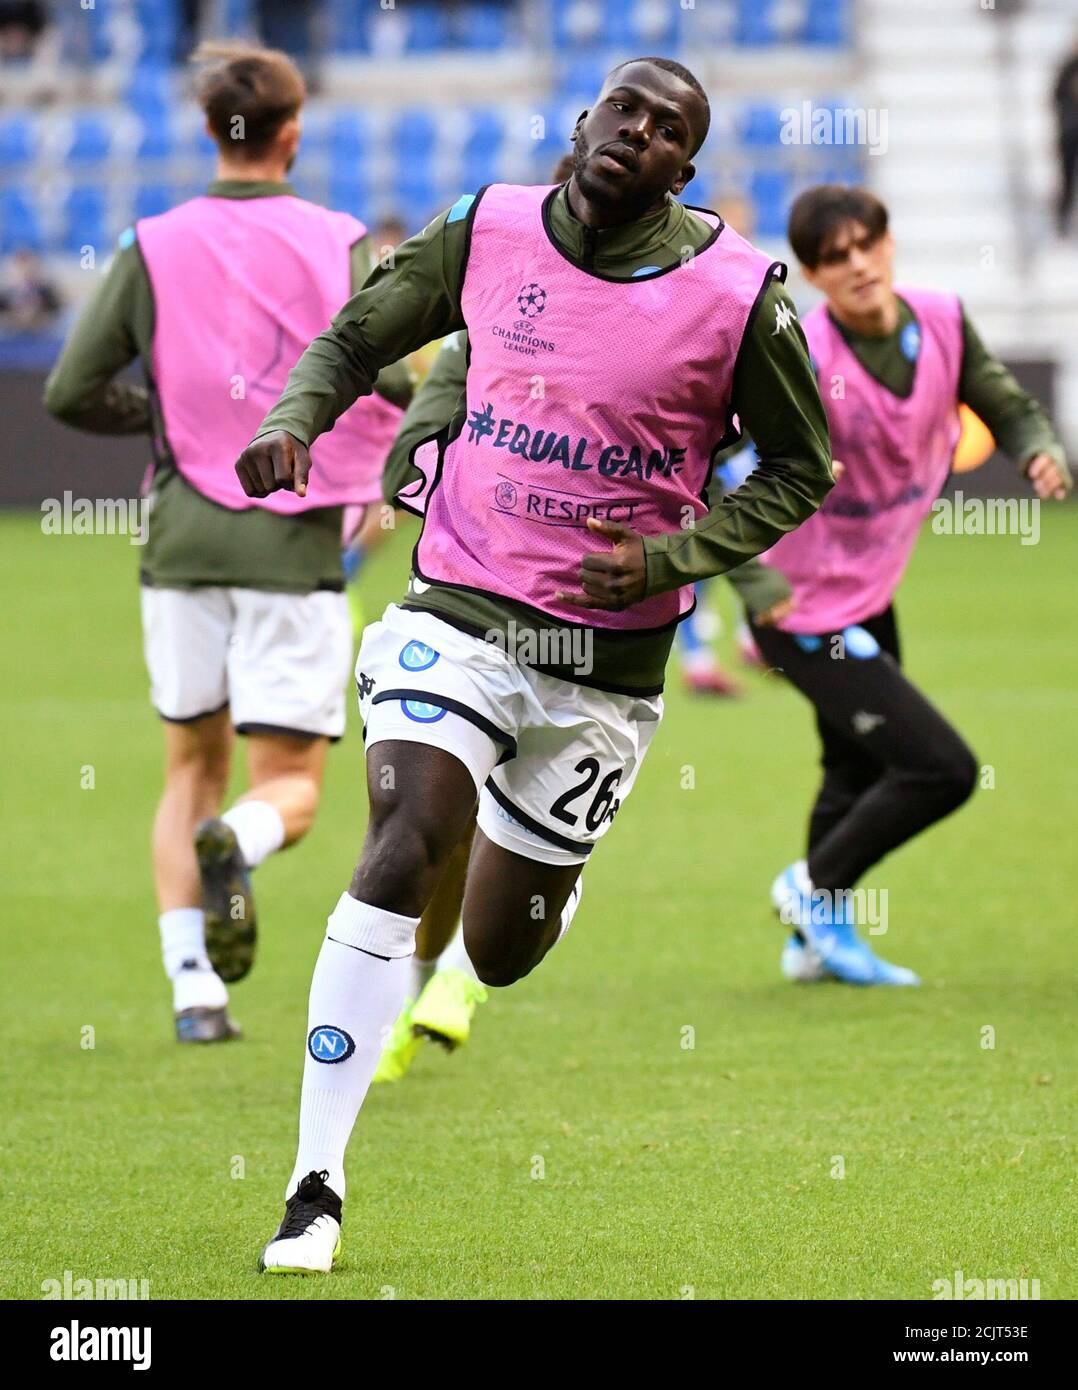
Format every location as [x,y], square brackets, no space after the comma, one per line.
[613,334]
[246,628]
[893,365]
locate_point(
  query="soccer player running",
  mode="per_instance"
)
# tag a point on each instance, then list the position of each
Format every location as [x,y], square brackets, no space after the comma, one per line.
[893,366]
[613,336]
[444,990]
[245,624]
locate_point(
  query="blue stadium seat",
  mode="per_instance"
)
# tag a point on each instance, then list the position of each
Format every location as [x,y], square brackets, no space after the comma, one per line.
[479,168]
[91,140]
[487,130]
[350,193]
[428,28]
[770,193]
[415,132]
[755,24]
[760,125]
[150,91]
[99,28]
[239,15]
[582,75]
[483,28]
[618,25]
[17,141]
[415,180]
[20,225]
[151,199]
[481,162]
[158,138]
[85,221]
[349,26]
[828,23]
[159,22]
[349,139]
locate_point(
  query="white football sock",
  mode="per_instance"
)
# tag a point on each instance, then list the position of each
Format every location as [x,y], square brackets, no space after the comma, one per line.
[455,957]
[421,971]
[568,912]
[183,949]
[198,987]
[183,938]
[356,995]
[259,830]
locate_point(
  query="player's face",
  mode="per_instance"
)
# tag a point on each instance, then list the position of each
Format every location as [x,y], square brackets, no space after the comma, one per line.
[634,145]
[856,270]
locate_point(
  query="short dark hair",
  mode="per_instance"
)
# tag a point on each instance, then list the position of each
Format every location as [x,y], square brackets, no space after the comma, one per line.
[261,85]
[819,212]
[683,74]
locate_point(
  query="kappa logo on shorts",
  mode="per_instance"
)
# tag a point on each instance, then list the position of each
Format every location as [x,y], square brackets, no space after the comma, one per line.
[503,814]
[423,713]
[328,1044]
[417,656]
[365,684]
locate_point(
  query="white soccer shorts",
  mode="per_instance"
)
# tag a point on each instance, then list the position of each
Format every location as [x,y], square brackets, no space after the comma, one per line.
[278,662]
[551,760]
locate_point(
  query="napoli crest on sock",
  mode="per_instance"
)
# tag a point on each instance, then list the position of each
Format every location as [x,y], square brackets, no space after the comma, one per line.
[329,1044]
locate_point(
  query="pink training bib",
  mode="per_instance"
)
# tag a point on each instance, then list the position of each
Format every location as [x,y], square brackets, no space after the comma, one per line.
[844,564]
[241,286]
[586,397]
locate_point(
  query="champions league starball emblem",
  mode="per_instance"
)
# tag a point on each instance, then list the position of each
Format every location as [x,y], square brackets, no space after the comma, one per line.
[531,301]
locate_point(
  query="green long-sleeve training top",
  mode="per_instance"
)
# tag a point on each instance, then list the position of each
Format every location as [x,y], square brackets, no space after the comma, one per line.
[192,541]
[415,299]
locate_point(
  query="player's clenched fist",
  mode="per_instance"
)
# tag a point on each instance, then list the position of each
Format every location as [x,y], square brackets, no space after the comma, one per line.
[611,579]
[273,461]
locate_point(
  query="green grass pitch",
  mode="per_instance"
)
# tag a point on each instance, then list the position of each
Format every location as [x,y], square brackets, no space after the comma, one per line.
[578,1148]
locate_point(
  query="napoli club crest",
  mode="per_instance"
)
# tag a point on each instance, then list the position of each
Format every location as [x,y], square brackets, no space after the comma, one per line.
[417,656]
[505,494]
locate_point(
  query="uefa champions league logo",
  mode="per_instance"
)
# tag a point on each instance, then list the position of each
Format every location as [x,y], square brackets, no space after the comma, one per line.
[523,337]
[531,301]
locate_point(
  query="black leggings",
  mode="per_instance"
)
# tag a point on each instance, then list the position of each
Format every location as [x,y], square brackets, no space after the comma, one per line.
[892,765]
